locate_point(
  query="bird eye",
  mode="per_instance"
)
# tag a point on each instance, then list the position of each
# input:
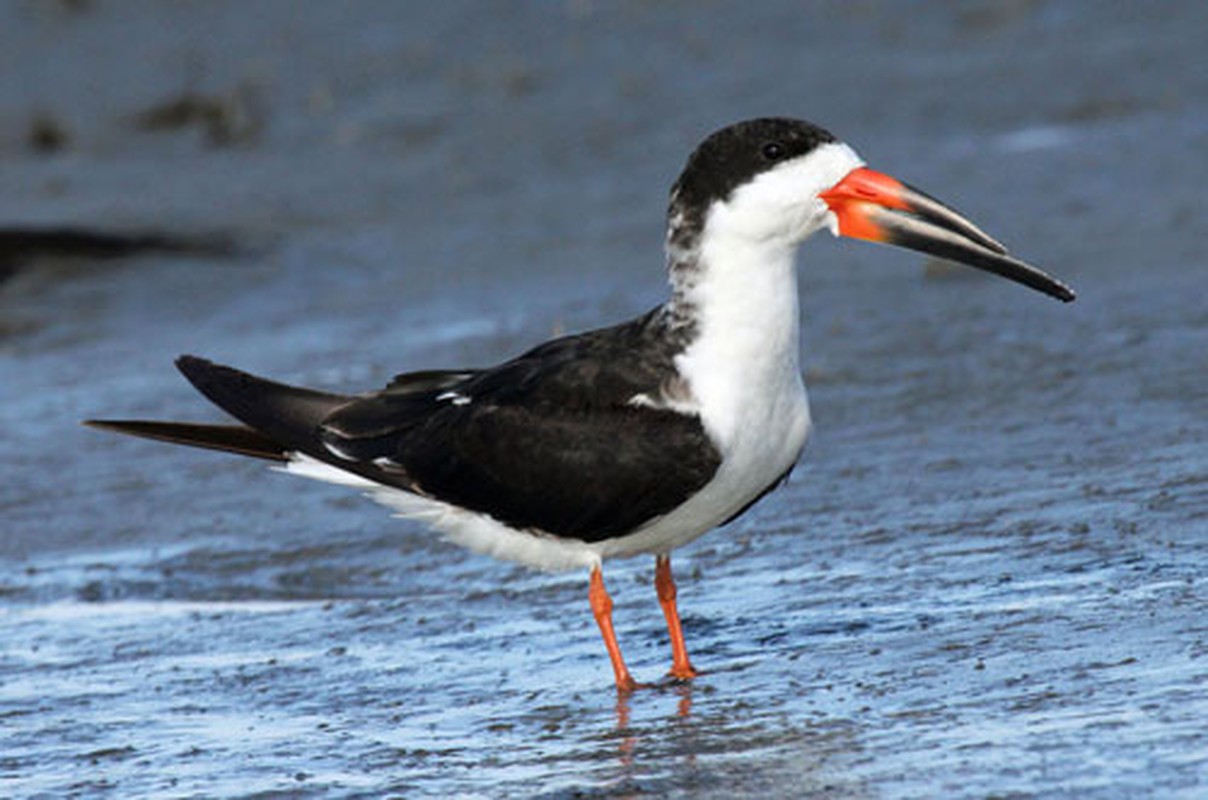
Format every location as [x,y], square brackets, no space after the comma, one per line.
[773,151]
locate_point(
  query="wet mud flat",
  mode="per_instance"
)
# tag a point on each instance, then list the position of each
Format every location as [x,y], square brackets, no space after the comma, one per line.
[985,579]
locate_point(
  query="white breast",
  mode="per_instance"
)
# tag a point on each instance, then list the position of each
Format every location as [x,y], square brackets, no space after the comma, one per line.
[744,374]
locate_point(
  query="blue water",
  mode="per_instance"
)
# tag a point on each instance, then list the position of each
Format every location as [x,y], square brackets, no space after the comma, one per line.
[985,579]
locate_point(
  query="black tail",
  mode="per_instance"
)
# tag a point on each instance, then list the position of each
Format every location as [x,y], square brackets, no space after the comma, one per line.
[278,419]
[227,438]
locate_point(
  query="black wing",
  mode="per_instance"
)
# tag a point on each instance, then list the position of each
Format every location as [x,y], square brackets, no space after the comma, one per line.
[551,440]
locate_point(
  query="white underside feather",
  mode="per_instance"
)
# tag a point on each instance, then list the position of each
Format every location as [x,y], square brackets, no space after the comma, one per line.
[470,529]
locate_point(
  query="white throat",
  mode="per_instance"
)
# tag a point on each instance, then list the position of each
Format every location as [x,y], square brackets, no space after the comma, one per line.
[744,359]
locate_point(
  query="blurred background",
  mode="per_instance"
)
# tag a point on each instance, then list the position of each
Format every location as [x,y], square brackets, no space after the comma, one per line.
[986,577]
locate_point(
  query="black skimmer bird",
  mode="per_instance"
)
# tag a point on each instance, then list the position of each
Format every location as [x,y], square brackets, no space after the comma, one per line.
[636,438]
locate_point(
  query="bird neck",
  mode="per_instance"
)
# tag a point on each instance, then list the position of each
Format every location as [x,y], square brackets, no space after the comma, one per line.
[734,298]
[739,289]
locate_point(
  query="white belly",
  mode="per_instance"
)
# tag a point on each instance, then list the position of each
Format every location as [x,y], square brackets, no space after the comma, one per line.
[761,448]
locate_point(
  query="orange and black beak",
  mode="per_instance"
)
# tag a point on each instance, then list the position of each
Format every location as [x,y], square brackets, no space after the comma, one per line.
[873,206]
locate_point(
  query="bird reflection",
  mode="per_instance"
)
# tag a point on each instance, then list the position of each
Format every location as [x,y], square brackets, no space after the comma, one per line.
[627,735]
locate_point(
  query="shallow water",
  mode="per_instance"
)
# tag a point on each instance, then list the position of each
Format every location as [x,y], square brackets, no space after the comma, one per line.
[985,579]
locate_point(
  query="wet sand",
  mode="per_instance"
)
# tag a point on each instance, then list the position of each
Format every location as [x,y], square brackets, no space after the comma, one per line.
[985,579]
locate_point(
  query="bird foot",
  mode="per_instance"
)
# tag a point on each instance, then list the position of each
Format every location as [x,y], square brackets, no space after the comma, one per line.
[682,673]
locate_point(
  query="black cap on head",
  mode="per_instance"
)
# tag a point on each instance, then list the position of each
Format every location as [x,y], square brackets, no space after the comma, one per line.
[735,154]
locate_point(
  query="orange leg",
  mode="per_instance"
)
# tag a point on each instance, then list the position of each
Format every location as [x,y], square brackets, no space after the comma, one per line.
[664,584]
[601,606]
